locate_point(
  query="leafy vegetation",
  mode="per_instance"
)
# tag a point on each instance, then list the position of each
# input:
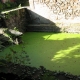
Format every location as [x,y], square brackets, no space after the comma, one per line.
[4,41]
[10,5]
[21,72]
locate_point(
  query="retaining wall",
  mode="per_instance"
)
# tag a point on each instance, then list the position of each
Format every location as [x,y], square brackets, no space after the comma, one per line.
[65,14]
[15,18]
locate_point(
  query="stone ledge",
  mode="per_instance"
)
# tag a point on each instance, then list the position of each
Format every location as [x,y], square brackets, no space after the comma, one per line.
[43,28]
[57,27]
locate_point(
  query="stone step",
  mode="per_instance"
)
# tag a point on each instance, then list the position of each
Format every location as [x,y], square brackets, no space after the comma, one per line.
[69,28]
[43,28]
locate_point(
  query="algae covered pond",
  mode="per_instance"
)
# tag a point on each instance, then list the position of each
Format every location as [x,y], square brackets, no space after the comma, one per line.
[54,51]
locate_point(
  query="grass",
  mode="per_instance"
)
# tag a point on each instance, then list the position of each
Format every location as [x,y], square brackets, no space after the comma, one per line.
[56,52]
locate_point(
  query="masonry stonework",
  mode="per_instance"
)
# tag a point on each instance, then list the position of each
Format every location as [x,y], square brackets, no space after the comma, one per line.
[64,12]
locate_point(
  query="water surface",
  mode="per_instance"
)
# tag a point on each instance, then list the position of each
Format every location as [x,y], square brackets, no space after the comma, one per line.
[60,51]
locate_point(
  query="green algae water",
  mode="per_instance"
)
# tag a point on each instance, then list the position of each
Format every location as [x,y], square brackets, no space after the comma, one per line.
[54,51]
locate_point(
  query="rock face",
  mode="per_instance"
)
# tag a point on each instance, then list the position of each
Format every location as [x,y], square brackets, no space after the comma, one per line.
[14,35]
[1,30]
[15,32]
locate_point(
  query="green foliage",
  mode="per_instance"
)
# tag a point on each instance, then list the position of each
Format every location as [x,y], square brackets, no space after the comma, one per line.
[22,57]
[9,15]
[1,6]
[15,28]
[9,57]
[22,2]
[10,5]
[2,64]
[3,42]
[19,5]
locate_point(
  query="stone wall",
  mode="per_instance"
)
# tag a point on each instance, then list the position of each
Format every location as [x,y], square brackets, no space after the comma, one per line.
[43,28]
[66,9]
[65,14]
[16,18]
[55,27]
